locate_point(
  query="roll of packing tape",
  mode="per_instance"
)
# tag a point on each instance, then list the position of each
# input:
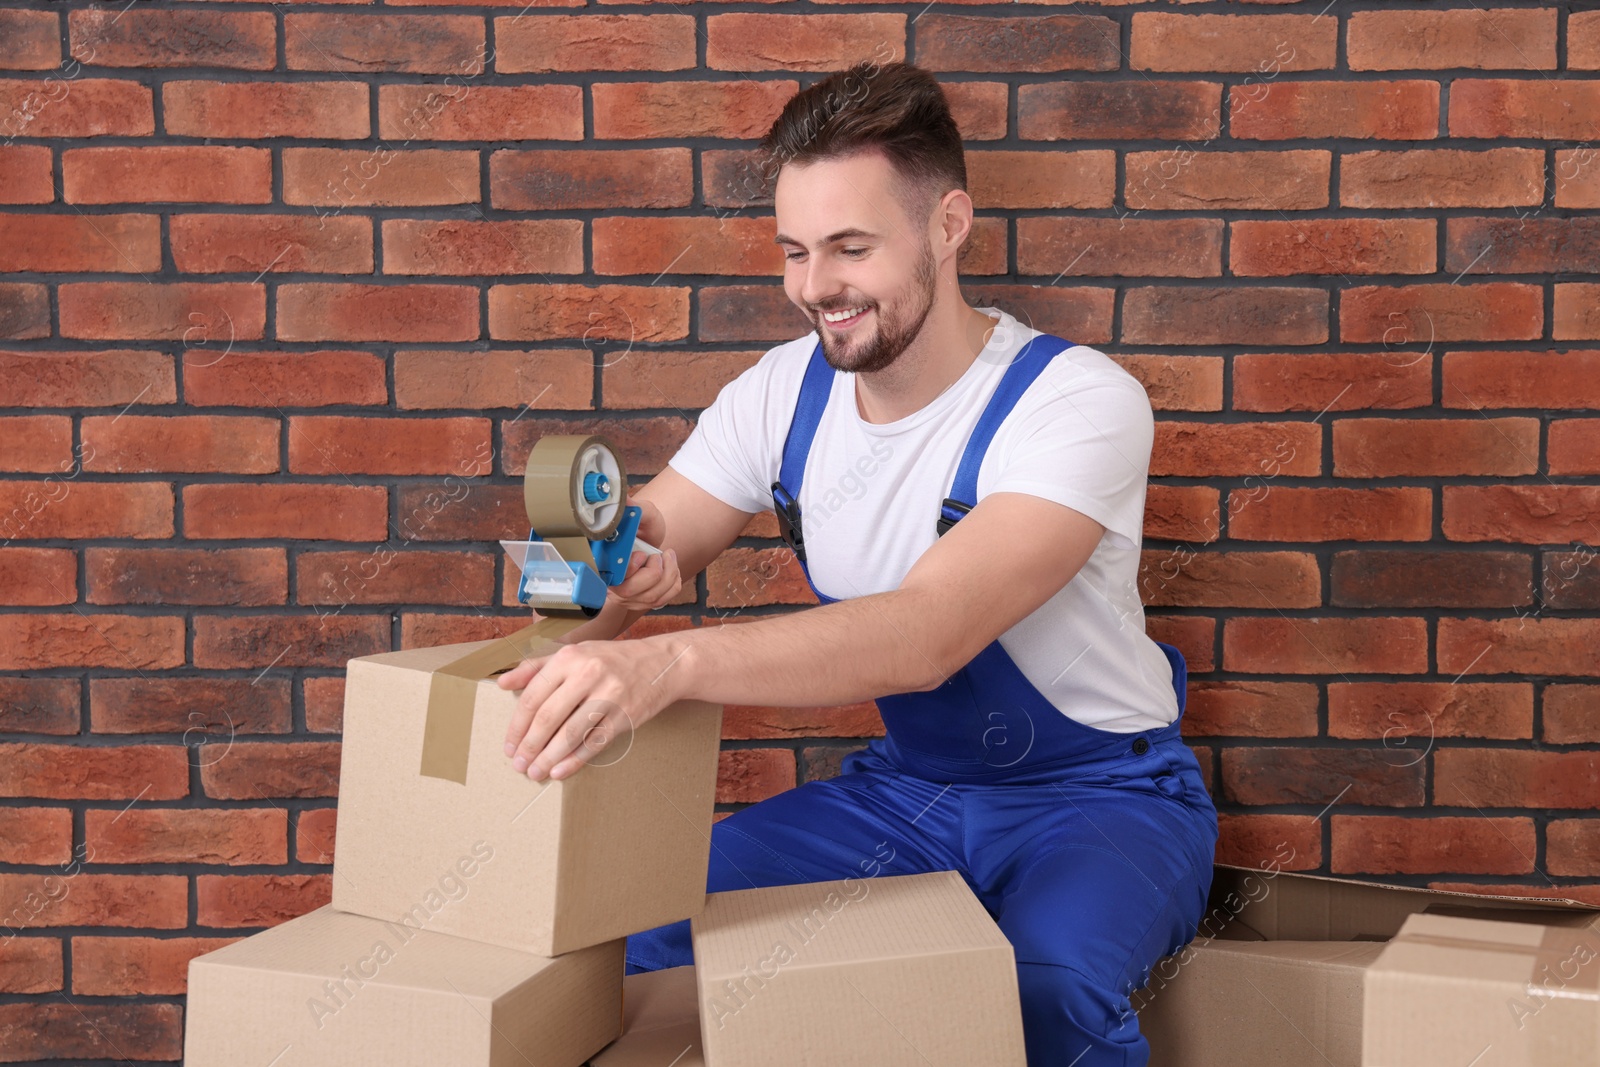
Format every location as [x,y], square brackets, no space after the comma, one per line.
[575,486]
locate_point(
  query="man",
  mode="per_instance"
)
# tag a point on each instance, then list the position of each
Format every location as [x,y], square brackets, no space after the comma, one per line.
[965,496]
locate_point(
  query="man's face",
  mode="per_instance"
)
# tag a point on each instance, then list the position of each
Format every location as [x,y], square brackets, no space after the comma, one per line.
[878,259]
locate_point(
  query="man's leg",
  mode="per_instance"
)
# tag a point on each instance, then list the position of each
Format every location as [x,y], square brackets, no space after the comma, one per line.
[865,822]
[1114,878]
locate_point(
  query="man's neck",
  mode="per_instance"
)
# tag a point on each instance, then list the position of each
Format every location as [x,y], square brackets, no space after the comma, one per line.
[914,380]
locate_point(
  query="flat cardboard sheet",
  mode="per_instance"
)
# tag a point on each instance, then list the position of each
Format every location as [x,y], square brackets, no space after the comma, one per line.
[660,1022]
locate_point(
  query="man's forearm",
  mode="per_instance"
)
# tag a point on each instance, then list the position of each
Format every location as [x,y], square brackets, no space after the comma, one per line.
[841,653]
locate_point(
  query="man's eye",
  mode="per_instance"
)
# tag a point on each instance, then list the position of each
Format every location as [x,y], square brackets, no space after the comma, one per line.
[855,251]
[794,256]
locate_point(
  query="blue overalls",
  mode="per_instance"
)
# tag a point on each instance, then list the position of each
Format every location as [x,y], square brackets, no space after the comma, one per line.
[1091,849]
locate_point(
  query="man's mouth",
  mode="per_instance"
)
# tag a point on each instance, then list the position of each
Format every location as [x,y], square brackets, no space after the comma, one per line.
[845,317]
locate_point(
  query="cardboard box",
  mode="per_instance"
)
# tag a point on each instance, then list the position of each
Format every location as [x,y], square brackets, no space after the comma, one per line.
[888,970]
[330,989]
[1296,968]
[543,867]
[660,1022]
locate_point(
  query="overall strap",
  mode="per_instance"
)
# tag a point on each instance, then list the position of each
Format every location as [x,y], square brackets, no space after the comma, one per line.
[1026,366]
[814,390]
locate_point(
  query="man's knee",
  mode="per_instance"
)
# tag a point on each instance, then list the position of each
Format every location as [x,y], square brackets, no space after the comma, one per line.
[1072,1020]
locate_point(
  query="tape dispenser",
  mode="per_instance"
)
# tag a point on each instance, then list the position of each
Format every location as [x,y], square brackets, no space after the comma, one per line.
[583,530]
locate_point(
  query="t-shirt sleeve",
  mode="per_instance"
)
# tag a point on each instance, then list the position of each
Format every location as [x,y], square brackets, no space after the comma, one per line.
[1083,442]
[728,453]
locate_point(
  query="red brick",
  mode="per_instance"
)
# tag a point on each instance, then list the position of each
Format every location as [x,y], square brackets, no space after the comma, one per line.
[94,107]
[741,108]
[29,40]
[1408,716]
[260,641]
[1416,578]
[1572,848]
[561,380]
[1573,448]
[1369,110]
[338,444]
[362,41]
[94,772]
[639,313]
[1416,39]
[644,444]
[198,708]
[1323,382]
[192,443]
[155,835]
[30,965]
[1567,109]
[549,43]
[1194,636]
[1577,177]
[1569,714]
[1079,312]
[1520,514]
[39,705]
[651,245]
[1030,179]
[324,704]
[1323,776]
[1182,179]
[283,379]
[1513,778]
[1306,513]
[1068,109]
[1583,40]
[314,835]
[1245,43]
[1182,578]
[54,507]
[566,179]
[24,311]
[654,379]
[26,173]
[35,836]
[747,722]
[1368,644]
[1520,646]
[1522,246]
[259,243]
[316,311]
[747,577]
[245,771]
[196,313]
[36,443]
[1027,44]
[1250,709]
[247,900]
[331,110]
[312,512]
[471,246]
[379,177]
[1537,379]
[385,576]
[123,642]
[1442,177]
[195,174]
[1439,844]
[424,630]
[1207,315]
[1576,316]
[482,112]
[1270,247]
[1173,248]
[103,378]
[243,576]
[979,109]
[243,40]
[1263,449]
[152,901]
[137,966]
[80,243]
[92,1031]
[463,511]
[1388,448]
[1422,314]
[1251,840]
[747,775]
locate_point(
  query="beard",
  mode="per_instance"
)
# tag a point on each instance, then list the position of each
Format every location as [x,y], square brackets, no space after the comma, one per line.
[892,332]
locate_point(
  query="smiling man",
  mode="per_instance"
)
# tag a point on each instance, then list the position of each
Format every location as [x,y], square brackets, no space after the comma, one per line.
[983,488]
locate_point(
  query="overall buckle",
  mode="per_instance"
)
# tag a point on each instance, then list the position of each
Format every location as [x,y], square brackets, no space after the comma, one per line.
[787,509]
[950,512]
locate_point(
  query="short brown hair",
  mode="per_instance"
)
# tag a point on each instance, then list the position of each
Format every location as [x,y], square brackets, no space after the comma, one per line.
[896,108]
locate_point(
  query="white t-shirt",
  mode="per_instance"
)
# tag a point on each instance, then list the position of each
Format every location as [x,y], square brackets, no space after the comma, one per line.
[1080,435]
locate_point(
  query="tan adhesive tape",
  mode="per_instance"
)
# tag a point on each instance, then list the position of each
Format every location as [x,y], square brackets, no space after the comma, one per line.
[453,690]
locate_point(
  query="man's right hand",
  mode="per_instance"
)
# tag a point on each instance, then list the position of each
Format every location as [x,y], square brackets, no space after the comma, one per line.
[652,579]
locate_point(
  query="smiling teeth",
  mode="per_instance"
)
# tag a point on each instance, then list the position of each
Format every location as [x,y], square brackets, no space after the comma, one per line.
[840,316]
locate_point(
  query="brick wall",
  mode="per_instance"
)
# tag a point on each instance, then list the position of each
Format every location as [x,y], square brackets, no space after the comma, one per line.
[291,288]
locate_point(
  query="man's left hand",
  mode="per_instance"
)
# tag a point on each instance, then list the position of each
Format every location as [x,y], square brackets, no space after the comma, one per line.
[587,697]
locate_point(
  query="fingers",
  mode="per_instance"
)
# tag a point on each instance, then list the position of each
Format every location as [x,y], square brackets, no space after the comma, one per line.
[652,584]
[587,732]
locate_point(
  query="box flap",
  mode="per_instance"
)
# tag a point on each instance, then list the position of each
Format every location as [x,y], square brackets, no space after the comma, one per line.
[661,1022]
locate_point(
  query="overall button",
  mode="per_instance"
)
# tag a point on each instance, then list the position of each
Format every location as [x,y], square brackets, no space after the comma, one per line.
[1140,746]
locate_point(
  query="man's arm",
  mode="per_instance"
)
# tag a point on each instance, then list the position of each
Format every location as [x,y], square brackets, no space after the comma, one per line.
[1004,559]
